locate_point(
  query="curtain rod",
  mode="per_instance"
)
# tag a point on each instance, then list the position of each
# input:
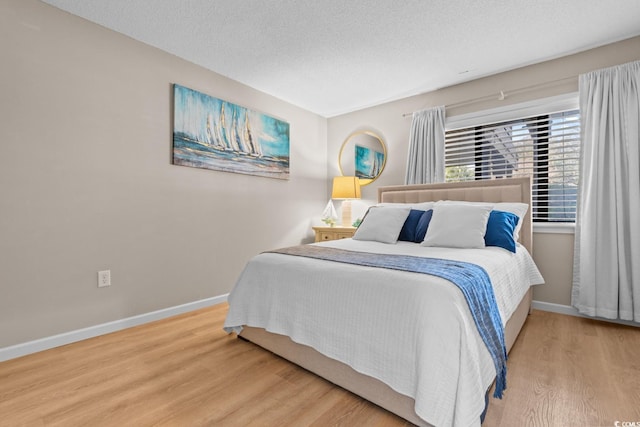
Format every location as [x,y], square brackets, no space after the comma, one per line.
[502,95]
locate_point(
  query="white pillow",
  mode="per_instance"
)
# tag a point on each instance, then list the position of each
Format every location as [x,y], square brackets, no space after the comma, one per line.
[519,209]
[457,226]
[382,224]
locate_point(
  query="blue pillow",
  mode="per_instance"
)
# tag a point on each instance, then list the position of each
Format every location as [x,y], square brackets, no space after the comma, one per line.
[408,232]
[423,224]
[500,230]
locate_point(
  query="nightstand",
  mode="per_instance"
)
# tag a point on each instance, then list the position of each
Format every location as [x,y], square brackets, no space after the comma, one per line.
[324,234]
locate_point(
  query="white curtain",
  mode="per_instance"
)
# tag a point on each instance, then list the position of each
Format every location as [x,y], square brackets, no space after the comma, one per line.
[425,163]
[606,277]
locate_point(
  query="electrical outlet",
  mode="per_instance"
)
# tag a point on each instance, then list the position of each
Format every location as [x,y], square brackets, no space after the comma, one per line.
[104,278]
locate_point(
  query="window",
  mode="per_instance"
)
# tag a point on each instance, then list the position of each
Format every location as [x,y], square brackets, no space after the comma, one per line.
[543,146]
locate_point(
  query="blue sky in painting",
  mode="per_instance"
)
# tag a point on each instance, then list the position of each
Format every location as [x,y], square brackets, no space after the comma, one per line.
[192,108]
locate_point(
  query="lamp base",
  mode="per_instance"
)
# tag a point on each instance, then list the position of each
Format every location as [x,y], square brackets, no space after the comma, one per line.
[346,213]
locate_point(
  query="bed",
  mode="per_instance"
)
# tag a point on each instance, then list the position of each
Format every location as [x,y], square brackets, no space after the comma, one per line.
[437,370]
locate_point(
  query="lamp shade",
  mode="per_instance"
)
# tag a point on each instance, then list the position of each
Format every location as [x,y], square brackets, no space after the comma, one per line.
[346,187]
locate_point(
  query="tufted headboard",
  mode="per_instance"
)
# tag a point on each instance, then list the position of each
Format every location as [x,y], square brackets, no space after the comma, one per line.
[495,190]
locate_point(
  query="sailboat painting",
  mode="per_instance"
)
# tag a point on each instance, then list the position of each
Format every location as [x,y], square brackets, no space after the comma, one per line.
[214,134]
[368,162]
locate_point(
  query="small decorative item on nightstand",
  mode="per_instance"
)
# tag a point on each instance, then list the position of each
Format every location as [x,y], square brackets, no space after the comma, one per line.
[329,215]
[324,234]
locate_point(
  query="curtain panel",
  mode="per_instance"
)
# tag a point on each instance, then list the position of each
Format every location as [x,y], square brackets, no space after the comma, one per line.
[425,162]
[606,279]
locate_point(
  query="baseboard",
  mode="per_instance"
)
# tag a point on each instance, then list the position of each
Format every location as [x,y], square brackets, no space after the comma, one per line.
[571,311]
[35,346]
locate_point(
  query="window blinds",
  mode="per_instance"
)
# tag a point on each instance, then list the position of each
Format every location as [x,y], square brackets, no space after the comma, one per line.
[545,147]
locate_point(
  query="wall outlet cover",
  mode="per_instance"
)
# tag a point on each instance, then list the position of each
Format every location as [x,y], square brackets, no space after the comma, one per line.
[104,278]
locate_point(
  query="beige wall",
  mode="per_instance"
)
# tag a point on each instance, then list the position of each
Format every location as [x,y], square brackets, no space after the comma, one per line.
[86,181]
[552,252]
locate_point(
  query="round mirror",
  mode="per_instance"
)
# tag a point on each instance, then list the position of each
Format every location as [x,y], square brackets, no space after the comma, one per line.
[363,154]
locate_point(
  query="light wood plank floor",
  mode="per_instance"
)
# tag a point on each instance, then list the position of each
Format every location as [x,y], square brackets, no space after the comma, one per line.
[185,371]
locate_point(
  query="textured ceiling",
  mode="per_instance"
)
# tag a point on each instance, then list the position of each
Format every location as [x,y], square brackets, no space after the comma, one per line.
[337,56]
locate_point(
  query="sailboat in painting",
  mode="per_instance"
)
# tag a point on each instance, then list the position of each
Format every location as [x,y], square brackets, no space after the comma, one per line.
[221,131]
[210,135]
[375,168]
[237,137]
[236,134]
[250,141]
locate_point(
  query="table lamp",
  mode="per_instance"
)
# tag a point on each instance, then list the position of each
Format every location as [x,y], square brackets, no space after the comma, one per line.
[346,188]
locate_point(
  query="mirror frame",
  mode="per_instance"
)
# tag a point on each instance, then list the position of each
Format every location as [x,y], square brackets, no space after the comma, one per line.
[363,181]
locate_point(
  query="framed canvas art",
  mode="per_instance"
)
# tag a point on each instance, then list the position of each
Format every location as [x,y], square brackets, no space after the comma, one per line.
[211,133]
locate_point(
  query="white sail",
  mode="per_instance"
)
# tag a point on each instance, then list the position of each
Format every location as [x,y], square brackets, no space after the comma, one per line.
[236,134]
[211,138]
[251,142]
[375,168]
[221,131]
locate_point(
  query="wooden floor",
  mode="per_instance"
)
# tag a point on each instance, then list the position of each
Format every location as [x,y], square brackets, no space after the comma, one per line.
[185,371]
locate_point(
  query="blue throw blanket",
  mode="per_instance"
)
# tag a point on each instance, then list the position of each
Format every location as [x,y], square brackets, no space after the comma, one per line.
[471,279]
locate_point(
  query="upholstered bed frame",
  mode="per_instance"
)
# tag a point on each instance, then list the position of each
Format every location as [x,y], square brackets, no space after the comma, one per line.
[503,190]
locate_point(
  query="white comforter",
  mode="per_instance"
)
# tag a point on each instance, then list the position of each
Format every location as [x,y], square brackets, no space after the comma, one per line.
[412,331]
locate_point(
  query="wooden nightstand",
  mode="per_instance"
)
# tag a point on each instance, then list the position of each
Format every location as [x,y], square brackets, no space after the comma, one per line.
[324,234]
